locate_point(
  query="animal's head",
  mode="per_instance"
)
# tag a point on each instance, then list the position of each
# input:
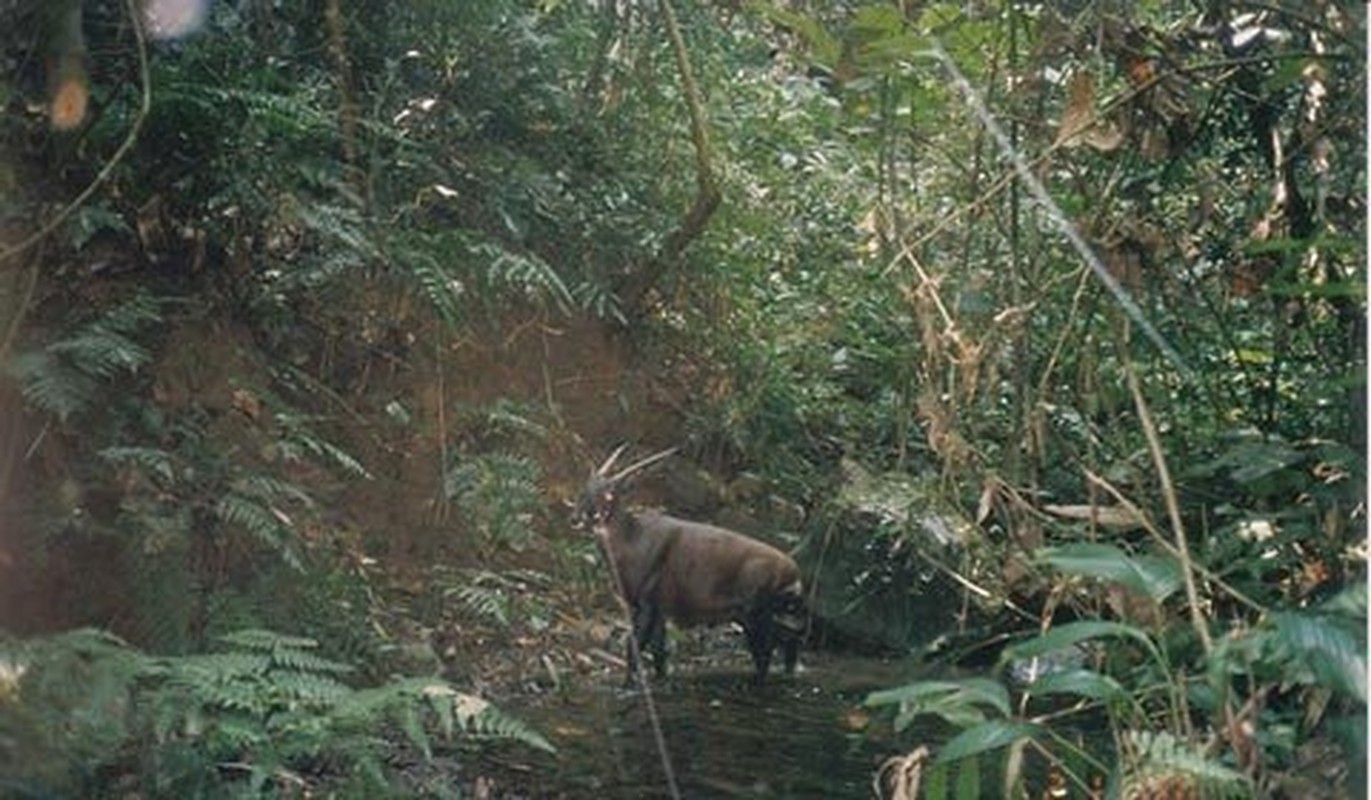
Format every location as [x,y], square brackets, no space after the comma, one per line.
[599,500]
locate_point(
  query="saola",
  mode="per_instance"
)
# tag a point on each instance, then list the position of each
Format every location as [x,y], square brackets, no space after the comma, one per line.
[691,573]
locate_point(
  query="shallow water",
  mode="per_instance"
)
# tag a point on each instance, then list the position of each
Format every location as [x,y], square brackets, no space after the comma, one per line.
[802,736]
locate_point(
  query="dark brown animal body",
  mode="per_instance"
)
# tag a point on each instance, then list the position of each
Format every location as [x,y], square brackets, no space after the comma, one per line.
[693,574]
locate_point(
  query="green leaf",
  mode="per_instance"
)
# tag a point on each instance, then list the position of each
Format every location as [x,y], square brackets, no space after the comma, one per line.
[985,737]
[958,702]
[1155,576]
[827,49]
[969,779]
[935,782]
[409,722]
[970,690]
[1327,647]
[1080,682]
[1062,636]
[1350,602]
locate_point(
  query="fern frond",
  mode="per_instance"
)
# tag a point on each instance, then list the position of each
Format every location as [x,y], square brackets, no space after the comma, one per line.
[265,640]
[268,699]
[270,488]
[102,354]
[302,661]
[1165,765]
[64,377]
[528,575]
[262,522]
[436,282]
[129,317]
[50,385]
[283,115]
[215,667]
[299,442]
[523,274]
[492,723]
[345,226]
[318,691]
[599,300]
[510,417]
[151,460]
[499,494]
[483,602]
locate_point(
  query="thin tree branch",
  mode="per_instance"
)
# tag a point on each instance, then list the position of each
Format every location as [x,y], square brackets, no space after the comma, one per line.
[706,188]
[144,106]
[1173,508]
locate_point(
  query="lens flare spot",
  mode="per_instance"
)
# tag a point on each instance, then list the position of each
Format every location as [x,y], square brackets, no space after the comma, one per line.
[172,19]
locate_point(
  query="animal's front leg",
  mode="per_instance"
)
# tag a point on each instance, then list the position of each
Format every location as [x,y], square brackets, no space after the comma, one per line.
[649,630]
[648,635]
[635,644]
[790,648]
[761,631]
[656,637]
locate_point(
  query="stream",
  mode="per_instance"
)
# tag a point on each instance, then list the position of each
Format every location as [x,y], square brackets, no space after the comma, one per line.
[797,737]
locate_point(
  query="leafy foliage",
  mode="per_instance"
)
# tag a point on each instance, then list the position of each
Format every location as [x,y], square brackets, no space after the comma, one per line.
[66,376]
[1164,762]
[498,496]
[65,709]
[1325,648]
[501,598]
[875,289]
[240,720]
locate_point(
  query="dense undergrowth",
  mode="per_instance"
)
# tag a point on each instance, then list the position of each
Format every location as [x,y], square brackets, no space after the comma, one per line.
[292,397]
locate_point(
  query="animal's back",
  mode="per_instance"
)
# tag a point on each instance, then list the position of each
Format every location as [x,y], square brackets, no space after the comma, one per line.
[717,573]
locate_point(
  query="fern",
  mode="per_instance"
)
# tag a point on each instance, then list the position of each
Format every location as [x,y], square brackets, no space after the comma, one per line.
[495,596]
[522,274]
[343,227]
[299,442]
[451,712]
[150,460]
[262,522]
[272,700]
[65,377]
[1164,765]
[64,708]
[479,718]
[504,422]
[499,494]
[1319,648]
[483,602]
[272,489]
[455,267]
[284,115]
[265,640]
[51,385]
[438,284]
[600,301]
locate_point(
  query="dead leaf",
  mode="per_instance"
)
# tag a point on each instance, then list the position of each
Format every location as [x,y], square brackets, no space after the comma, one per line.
[1116,517]
[1080,123]
[856,719]
[246,402]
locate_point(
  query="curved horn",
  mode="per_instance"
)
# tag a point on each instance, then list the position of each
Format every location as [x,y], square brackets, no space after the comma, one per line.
[609,462]
[642,464]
